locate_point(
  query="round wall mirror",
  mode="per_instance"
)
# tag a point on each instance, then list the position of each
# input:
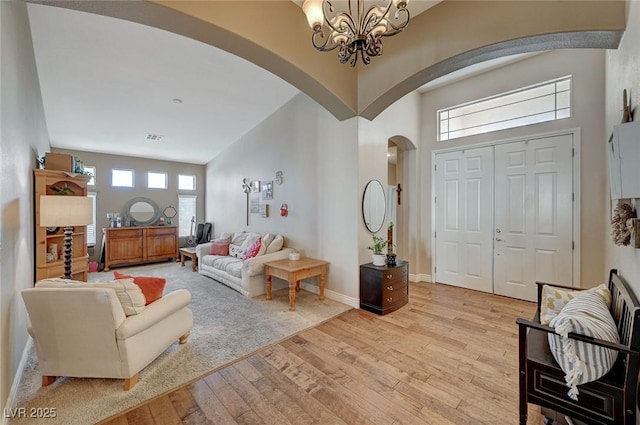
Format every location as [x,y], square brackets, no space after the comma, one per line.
[373,206]
[141,212]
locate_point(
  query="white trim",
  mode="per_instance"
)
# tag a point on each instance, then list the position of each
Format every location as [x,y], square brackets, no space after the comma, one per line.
[577,141]
[11,399]
[419,277]
[332,295]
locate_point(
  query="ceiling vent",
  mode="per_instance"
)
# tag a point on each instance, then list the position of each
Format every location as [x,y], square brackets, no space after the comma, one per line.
[154,137]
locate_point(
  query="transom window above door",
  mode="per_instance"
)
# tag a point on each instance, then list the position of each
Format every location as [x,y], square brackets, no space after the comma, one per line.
[547,101]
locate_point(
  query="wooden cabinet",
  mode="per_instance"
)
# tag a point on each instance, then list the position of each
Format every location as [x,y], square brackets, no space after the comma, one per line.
[51,240]
[128,245]
[384,289]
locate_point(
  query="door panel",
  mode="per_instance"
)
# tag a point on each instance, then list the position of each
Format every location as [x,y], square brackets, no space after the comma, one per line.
[533,215]
[464,218]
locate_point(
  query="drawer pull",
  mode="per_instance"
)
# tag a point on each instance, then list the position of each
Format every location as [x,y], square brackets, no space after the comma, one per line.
[389,299]
[390,287]
[389,276]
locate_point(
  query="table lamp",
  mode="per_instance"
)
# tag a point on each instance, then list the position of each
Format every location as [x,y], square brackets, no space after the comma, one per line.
[66,211]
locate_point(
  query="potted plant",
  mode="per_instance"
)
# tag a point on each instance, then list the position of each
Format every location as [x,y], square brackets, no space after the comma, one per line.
[391,256]
[378,250]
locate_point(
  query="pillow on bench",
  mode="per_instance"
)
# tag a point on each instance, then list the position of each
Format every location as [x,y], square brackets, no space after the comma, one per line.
[585,314]
[554,299]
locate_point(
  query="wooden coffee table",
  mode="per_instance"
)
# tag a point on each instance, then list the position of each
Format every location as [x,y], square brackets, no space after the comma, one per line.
[293,272]
[190,253]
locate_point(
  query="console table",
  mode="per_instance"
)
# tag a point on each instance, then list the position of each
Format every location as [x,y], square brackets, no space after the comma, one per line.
[384,289]
[293,271]
[129,245]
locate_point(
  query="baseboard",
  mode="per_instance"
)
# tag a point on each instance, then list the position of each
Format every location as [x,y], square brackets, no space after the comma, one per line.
[16,382]
[332,295]
[420,277]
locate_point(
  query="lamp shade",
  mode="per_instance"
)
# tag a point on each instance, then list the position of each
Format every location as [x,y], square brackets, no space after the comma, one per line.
[60,210]
[313,10]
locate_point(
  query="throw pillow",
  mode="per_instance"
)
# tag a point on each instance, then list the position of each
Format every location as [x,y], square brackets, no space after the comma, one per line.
[250,240]
[267,239]
[219,248]
[151,286]
[238,238]
[554,299]
[129,294]
[253,249]
[236,251]
[276,245]
[586,314]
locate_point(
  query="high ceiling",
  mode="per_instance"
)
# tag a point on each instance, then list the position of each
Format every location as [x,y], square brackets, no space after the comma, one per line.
[108,83]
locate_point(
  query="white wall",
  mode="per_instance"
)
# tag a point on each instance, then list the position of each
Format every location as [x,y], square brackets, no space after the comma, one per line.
[400,119]
[622,72]
[23,138]
[587,69]
[326,165]
[317,155]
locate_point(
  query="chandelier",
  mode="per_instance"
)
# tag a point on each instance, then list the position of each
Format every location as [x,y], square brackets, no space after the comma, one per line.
[355,34]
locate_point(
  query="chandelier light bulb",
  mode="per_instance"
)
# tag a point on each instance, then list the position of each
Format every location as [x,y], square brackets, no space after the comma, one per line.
[313,10]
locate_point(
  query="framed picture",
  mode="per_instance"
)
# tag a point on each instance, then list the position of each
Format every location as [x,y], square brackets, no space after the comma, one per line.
[254,205]
[267,190]
[264,210]
[255,186]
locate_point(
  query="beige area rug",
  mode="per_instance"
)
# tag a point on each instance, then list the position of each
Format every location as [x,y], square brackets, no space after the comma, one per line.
[227,326]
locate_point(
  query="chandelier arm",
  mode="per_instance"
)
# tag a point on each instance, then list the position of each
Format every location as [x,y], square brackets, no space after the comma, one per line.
[366,19]
[325,46]
[402,26]
[346,19]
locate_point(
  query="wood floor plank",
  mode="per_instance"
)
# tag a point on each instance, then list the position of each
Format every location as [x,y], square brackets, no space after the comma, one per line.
[210,405]
[449,357]
[164,411]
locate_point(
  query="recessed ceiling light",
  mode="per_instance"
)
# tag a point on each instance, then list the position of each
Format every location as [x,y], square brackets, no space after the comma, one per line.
[177,100]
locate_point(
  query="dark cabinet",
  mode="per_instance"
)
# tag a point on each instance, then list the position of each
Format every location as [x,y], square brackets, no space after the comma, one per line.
[384,289]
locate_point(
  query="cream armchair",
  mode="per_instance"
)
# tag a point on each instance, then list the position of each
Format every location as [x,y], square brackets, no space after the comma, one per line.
[84,332]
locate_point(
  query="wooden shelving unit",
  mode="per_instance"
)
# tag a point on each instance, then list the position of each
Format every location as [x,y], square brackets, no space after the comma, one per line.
[51,182]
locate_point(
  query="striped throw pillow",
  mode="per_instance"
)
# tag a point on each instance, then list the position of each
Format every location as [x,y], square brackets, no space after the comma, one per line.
[585,314]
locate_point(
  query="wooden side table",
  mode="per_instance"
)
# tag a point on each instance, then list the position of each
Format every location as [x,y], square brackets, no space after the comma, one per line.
[189,253]
[293,271]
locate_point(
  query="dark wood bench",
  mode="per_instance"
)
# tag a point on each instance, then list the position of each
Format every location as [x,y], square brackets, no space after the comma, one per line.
[609,400]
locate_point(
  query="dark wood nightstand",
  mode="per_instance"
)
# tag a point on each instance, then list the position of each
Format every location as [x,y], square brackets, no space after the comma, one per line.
[384,289]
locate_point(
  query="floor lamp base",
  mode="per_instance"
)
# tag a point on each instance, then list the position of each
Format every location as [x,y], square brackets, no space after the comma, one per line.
[67,251]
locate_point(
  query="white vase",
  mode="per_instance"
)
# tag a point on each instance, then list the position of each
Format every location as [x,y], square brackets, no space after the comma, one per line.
[378,259]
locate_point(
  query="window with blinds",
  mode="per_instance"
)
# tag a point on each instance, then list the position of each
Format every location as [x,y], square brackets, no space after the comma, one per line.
[91,228]
[186,212]
[547,101]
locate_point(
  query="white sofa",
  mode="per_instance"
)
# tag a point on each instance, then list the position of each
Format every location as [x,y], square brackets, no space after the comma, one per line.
[245,276]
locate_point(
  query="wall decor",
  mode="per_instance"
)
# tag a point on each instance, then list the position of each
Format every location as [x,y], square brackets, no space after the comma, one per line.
[246,188]
[279,177]
[255,205]
[267,190]
[255,185]
[264,210]
[284,210]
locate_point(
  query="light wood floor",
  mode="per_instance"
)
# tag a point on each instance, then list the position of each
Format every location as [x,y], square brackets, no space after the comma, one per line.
[448,357]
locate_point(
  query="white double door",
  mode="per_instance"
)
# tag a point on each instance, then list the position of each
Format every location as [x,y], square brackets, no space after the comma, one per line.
[504,216]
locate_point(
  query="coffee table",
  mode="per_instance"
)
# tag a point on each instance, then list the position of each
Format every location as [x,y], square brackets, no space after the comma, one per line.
[293,271]
[190,253]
